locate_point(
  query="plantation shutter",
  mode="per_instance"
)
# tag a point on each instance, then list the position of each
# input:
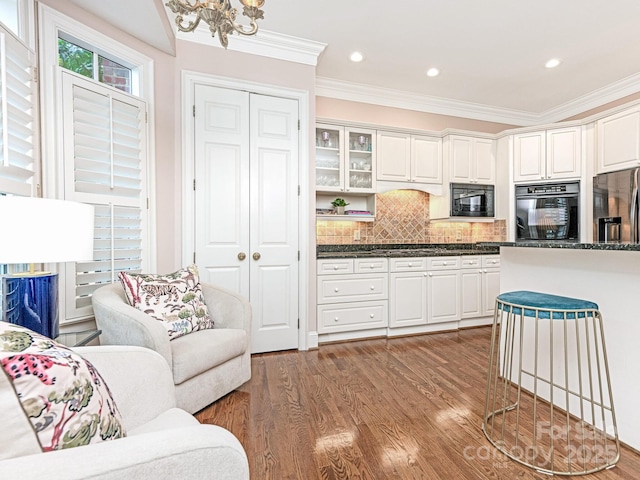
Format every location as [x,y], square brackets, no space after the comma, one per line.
[18,120]
[105,165]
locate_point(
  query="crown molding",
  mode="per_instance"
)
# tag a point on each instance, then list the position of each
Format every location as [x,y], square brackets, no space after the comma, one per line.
[326,87]
[264,43]
[594,99]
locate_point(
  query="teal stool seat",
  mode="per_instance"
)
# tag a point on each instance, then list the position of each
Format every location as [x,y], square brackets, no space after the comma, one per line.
[549,401]
[547,305]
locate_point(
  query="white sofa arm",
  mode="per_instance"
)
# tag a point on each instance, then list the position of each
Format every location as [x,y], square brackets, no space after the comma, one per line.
[228,309]
[190,453]
[122,324]
[140,380]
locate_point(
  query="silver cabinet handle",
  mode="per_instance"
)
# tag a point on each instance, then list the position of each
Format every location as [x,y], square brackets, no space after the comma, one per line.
[336,289]
[371,315]
[372,266]
[431,274]
[336,319]
[373,287]
[444,264]
[335,267]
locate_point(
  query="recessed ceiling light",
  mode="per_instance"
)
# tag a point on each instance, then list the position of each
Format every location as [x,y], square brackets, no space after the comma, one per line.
[554,62]
[433,72]
[356,57]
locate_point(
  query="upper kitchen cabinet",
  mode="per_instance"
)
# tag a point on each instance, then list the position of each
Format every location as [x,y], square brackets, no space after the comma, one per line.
[345,159]
[411,159]
[471,160]
[547,155]
[618,141]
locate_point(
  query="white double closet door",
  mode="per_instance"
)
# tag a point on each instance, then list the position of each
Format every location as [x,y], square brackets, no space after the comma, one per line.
[246,206]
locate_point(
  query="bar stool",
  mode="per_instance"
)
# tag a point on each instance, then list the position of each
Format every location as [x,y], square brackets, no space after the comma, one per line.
[549,404]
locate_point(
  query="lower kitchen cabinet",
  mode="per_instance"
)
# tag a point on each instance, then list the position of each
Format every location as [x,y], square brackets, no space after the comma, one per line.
[443,290]
[348,317]
[349,300]
[408,299]
[480,281]
[399,296]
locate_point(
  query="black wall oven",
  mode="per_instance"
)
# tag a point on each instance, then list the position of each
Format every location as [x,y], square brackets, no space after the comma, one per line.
[548,212]
[471,200]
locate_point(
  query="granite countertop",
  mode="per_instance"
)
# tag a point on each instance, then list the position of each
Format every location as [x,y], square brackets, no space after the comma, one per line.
[404,250]
[625,247]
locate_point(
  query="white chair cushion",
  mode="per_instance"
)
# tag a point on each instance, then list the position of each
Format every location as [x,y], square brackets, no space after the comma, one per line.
[201,351]
[172,418]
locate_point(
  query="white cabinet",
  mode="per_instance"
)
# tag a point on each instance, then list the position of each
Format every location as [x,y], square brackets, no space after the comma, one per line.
[490,283]
[546,155]
[480,283]
[409,158]
[350,300]
[443,289]
[345,159]
[471,286]
[471,159]
[618,141]
[424,291]
[407,292]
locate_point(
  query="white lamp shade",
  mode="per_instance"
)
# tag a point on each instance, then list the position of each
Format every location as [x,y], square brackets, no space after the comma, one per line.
[38,230]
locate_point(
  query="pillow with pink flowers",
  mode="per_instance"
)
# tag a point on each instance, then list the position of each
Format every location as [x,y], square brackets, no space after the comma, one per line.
[62,396]
[175,299]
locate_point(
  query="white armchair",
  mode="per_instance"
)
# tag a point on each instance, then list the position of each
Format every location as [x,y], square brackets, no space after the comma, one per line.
[206,364]
[162,442]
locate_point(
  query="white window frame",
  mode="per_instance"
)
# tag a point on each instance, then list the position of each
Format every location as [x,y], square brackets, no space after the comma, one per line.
[51,24]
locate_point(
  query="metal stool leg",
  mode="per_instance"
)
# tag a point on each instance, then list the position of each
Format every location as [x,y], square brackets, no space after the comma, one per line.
[552,413]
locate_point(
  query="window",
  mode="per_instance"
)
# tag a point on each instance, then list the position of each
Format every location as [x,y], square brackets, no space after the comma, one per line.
[18,120]
[97,148]
[105,164]
[93,65]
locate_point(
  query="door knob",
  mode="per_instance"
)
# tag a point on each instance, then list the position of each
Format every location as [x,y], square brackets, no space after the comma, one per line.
[242,256]
[256,256]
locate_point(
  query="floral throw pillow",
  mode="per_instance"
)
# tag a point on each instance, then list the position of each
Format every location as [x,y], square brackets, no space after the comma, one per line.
[175,299]
[66,400]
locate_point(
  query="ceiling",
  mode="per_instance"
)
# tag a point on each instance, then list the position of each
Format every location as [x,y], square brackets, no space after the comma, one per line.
[491,55]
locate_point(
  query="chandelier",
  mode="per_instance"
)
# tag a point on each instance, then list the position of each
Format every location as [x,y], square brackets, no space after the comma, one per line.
[219,15]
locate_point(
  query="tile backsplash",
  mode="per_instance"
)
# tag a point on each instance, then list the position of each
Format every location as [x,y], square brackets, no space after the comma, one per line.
[402,216]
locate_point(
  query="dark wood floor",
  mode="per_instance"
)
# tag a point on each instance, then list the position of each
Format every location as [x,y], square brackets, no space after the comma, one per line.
[407,408]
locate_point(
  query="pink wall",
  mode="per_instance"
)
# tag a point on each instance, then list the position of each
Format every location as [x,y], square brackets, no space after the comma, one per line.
[400,118]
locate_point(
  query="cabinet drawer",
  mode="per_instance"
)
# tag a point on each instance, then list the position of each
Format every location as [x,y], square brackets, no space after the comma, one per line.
[443,263]
[408,264]
[471,262]
[356,316]
[371,265]
[335,266]
[352,288]
[490,261]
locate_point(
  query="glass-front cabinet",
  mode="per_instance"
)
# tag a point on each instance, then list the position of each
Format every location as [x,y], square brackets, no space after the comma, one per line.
[345,159]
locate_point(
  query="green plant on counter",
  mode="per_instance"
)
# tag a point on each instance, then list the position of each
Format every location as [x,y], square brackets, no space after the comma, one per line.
[339,202]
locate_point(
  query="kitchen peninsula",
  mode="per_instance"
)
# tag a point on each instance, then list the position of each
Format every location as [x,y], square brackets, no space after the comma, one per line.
[608,274]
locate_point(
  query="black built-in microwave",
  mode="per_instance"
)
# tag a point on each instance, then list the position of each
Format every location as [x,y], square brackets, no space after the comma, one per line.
[472,200]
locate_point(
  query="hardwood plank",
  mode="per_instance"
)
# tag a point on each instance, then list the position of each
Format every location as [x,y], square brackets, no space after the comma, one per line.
[400,408]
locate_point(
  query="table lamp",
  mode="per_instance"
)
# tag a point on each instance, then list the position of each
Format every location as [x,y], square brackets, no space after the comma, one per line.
[38,230]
